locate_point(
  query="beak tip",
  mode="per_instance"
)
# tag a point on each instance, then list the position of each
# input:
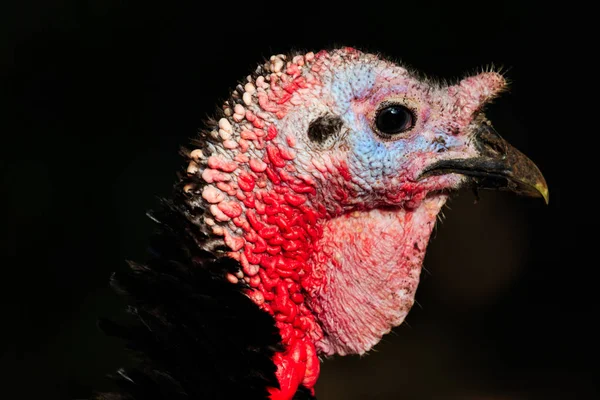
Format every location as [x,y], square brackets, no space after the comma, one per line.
[542,188]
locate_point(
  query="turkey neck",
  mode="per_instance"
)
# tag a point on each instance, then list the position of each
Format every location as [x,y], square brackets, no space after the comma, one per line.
[369,263]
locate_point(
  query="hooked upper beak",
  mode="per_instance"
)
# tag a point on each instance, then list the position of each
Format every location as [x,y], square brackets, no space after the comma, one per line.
[498,166]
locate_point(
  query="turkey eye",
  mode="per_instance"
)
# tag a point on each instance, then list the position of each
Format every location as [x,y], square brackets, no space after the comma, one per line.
[394,119]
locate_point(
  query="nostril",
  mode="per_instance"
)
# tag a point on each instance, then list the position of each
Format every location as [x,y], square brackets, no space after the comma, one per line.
[440,144]
[497,147]
[489,142]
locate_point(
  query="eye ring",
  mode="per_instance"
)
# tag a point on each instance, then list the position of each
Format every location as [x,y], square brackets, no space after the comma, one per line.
[392,119]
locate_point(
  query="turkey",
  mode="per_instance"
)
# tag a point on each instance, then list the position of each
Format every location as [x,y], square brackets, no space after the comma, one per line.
[298,228]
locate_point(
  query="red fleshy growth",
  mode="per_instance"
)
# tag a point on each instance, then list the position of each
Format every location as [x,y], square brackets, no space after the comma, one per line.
[275,156]
[294,200]
[216,162]
[235,243]
[271,132]
[230,208]
[258,123]
[248,135]
[279,233]
[246,182]
[265,103]
[344,171]
[273,177]
[291,369]
[282,245]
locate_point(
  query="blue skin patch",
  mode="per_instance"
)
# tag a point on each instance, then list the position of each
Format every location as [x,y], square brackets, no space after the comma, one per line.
[373,163]
[354,81]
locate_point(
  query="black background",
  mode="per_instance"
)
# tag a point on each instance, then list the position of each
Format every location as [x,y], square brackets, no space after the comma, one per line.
[101,94]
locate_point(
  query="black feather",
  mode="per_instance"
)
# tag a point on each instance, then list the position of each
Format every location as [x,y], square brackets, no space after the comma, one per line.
[197,336]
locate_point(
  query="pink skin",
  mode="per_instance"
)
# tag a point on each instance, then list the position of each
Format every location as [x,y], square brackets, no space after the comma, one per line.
[376,293]
[331,237]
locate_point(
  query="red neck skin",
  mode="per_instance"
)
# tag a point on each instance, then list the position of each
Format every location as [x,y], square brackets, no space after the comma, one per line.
[353,276]
[371,263]
[281,230]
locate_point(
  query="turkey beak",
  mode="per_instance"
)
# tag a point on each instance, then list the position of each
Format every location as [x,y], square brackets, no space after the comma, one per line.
[498,166]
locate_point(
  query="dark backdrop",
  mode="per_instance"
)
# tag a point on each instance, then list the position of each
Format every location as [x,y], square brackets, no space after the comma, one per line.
[101,94]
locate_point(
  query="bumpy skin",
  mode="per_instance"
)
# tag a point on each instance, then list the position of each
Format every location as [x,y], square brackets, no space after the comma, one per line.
[298,229]
[329,226]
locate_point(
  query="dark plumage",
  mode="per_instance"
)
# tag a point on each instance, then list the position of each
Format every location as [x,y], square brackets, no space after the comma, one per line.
[197,336]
